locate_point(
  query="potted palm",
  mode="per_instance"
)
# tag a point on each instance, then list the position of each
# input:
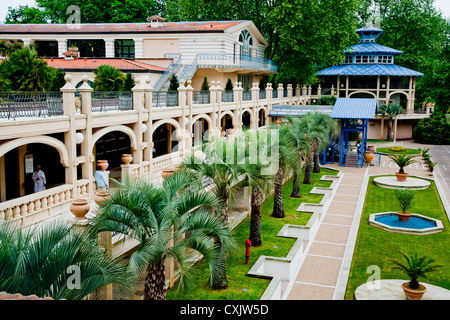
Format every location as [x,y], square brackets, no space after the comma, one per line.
[415,267]
[402,161]
[423,152]
[405,198]
[431,166]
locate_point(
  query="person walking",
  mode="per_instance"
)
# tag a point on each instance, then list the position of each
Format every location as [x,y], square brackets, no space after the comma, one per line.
[39,180]
[100,179]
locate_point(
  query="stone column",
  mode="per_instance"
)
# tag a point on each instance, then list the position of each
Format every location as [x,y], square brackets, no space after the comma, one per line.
[138,47]
[109,47]
[87,146]
[216,116]
[148,141]
[319,91]
[269,95]
[289,92]
[189,102]
[62,47]
[68,93]
[138,100]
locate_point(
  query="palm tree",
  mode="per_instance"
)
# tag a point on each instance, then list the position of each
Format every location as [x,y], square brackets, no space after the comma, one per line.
[210,166]
[258,176]
[329,127]
[47,260]
[108,78]
[391,111]
[402,161]
[159,218]
[287,160]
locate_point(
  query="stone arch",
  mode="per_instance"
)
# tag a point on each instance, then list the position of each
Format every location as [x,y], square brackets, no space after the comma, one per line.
[368,92]
[164,121]
[55,143]
[128,131]
[230,114]
[396,92]
[204,116]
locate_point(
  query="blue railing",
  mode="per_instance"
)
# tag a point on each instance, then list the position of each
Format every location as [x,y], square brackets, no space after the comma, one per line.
[171,69]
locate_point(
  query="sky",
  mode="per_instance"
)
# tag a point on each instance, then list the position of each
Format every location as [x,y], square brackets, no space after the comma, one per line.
[443,5]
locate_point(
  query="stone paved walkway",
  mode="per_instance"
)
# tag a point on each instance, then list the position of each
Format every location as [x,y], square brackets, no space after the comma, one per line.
[324,272]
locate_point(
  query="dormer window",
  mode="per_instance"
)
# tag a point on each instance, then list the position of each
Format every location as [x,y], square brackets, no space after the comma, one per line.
[365,59]
[246,41]
[385,59]
[348,60]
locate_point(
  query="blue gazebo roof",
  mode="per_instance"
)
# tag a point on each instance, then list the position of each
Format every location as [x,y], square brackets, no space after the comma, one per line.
[369,70]
[372,48]
[354,108]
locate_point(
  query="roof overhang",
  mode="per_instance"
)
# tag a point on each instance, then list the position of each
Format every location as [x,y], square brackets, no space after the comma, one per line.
[352,108]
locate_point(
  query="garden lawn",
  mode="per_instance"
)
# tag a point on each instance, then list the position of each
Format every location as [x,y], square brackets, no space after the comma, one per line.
[236,267]
[376,247]
[408,151]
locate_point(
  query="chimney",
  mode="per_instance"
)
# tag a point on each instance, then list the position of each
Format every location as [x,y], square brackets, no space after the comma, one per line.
[156,21]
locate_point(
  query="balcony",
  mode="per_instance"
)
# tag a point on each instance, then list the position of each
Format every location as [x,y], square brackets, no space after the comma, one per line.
[236,61]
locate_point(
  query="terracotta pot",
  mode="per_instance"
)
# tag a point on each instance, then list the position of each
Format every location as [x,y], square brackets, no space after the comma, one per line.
[401,176]
[127,158]
[413,294]
[278,121]
[101,196]
[103,164]
[167,173]
[404,217]
[73,49]
[80,207]
[371,148]
[368,156]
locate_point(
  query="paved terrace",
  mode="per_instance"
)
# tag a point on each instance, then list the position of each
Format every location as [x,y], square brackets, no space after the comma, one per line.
[324,272]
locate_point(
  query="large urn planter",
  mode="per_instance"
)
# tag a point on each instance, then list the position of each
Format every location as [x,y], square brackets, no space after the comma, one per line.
[413,294]
[127,158]
[371,148]
[401,176]
[368,156]
[167,173]
[101,196]
[103,164]
[79,208]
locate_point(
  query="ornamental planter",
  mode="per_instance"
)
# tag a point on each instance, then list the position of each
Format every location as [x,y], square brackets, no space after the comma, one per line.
[127,158]
[103,164]
[368,156]
[101,196]
[79,208]
[403,216]
[167,173]
[401,176]
[372,148]
[413,294]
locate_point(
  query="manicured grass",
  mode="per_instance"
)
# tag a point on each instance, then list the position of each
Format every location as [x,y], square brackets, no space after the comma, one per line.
[376,247]
[408,151]
[236,267]
[377,141]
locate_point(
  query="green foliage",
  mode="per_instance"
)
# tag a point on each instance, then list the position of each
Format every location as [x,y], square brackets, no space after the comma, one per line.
[173,83]
[326,100]
[405,198]
[7,47]
[416,267]
[432,130]
[109,78]
[91,11]
[42,261]
[402,160]
[229,85]
[205,84]
[129,82]
[58,79]
[24,71]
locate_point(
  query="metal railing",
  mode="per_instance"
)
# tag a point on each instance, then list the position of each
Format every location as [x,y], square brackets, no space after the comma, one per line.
[162,99]
[275,94]
[201,97]
[262,94]
[30,104]
[228,96]
[171,69]
[102,101]
[246,95]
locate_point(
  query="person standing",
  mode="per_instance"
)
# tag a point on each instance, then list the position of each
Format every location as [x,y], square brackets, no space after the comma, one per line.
[39,180]
[100,179]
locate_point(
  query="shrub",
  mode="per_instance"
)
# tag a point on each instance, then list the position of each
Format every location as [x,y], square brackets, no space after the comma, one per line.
[405,198]
[402,161]
[205,84]
[229,85]
[108,78]
[432,130]
[129,82]
[173,83]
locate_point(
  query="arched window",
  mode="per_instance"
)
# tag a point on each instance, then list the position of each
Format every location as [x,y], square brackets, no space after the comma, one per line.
[246,41]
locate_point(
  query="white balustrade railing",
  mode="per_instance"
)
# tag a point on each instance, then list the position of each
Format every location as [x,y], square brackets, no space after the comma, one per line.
[35,203]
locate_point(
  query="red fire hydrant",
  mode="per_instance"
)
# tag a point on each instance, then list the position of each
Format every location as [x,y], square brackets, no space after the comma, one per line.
[248,244]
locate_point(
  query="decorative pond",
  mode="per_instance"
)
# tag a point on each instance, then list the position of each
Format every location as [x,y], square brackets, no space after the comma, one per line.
[417,224]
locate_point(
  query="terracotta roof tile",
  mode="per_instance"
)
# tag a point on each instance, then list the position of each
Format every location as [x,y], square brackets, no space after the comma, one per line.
[92,64]
[98,28]
[17,296]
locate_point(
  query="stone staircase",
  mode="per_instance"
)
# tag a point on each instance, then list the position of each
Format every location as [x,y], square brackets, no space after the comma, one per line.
[351,159]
